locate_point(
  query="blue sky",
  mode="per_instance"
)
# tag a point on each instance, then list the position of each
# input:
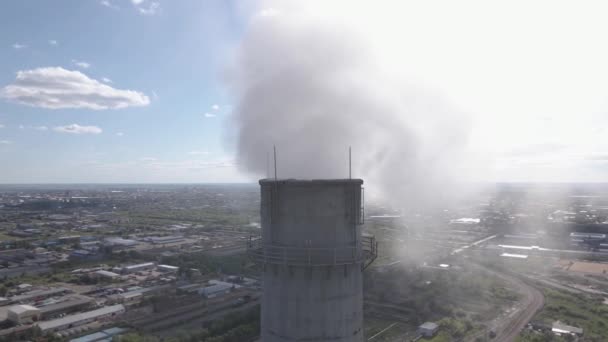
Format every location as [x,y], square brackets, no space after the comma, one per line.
[171,55]
[127,91]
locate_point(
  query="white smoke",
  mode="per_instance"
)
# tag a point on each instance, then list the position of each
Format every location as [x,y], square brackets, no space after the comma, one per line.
[313,84]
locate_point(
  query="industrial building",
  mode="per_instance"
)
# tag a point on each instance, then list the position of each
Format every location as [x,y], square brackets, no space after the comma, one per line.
[68,305]
[106,274]
[38,295]
[167,268]
[81,318]
[580,237]
[159,240]
[120,243]
[20,314]
[137,267]
[313,254]
[217,289]
[101,336]
[560,328]
[428,329]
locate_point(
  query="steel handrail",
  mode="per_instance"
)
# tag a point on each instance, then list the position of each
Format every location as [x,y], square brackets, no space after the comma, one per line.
[311,256]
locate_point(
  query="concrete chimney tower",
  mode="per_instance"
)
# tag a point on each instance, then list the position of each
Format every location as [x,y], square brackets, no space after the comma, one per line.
[312,254]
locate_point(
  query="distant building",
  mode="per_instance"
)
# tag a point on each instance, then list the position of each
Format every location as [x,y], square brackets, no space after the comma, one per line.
[106,274]
[126,298]
[560,328]
[159,240]
[69,239]
[217,289]
[24,286]
[138,267]
[67,305]
[59,217]
[167,268]
[20,314]
[81,318]
[120,243]
[102,336]
[580,237]
[85,254]
[38,295]
[428,329]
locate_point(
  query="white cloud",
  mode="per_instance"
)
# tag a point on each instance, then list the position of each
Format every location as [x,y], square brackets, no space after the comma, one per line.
[120,134]
[137,2]
[198,153]
[77,129]
[108,4]
[38,128]
[53,42]
[147,159]
[81,64]
[148,8]
[210,115]
[268,12]
[56,87]
[215,107]
[106,80]
[5,142]
[18,46]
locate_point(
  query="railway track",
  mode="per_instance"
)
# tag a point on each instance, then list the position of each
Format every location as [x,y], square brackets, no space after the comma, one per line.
[533,301]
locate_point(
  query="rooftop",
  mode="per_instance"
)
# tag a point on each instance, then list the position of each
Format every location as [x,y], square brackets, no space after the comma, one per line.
[19,309]
[75,300]
[56,323]
[292,181]
[562,328]
[429,325]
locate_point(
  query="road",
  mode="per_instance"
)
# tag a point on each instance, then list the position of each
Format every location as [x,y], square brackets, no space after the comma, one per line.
[458,250]
[533,300]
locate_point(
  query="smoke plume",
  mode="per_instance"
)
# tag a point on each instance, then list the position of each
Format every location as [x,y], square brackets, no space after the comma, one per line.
[313,84]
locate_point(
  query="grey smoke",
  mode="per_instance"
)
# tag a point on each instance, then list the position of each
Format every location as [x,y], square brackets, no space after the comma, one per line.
[314,88]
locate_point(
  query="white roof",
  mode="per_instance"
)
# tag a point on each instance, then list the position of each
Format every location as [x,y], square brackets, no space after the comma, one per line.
[429,325]
[168,266]
[107,273]
[146,264]
[511,255]
[19,309]
[67,320]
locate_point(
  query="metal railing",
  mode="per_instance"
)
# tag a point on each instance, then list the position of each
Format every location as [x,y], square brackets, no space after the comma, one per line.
[311,256]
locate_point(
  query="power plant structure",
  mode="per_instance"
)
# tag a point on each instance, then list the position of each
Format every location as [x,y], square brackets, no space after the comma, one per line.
[312,253]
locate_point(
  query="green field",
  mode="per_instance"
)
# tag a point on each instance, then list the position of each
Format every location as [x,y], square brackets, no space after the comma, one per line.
[579,310]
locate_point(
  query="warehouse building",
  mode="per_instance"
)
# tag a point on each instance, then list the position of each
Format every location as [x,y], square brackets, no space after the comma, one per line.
[167,268]
[560,328]
[69,305]
[120,243]
[217,289]
[20,314]
[138,267]
[130,298]
[159,240]
[38,295]
[81,318]
[101,336]
[105,274]
[428,329]
[580,236]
